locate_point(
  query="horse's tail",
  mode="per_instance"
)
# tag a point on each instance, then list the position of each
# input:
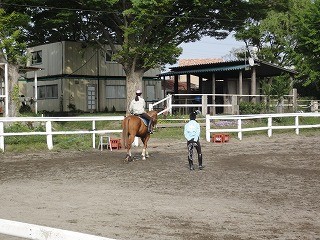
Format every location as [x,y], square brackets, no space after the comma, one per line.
[125,132]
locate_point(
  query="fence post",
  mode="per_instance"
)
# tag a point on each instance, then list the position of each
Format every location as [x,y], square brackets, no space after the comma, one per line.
[49,135]
[204,101]
[2,137]
[235,106]
[314,106]
[239,129]
[295,99]
[269,126]
[208,128]
[94,134]
[169,103]
[136,142]
[296,122]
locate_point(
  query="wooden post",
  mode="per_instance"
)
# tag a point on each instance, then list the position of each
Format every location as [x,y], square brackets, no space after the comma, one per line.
[2,137]
[253,85]
[240,86]
[49,135]
[214,94]
[204,101]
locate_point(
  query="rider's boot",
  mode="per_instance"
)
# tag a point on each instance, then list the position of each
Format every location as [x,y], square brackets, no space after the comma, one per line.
[191,167]
[200,161]
[150,130]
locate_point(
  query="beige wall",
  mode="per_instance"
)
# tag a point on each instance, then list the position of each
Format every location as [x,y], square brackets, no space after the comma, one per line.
[75,59]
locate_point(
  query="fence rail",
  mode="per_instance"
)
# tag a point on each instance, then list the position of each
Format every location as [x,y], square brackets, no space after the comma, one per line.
[32,231]
[240,127]
[229,104]
[50,132]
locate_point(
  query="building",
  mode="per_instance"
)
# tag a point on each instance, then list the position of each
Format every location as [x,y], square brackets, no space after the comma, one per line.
[241,78]
[73,75]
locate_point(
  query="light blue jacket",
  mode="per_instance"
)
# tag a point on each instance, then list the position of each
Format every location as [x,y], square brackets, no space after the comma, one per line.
[192,130]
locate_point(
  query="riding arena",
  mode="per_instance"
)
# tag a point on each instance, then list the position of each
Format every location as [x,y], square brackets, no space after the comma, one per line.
[258,188]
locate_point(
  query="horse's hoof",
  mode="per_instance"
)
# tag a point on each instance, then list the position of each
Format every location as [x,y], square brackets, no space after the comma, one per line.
[128,159]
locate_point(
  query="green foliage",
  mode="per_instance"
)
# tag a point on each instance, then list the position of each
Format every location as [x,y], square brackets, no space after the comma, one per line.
[308,42]
[251,108]
[281,86]
[25,109]
[12,43]
[72,107]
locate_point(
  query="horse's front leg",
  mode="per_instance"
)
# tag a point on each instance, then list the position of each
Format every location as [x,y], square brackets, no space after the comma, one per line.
[128,156]
[143,154]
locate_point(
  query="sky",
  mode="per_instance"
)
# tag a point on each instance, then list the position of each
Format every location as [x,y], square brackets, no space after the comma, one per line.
[209,48]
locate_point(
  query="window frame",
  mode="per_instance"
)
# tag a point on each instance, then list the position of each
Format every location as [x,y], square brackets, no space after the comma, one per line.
[44,90]
[36,57]
[113,93]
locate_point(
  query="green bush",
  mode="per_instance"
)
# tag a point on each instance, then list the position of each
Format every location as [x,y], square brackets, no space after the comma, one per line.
[252,108]
[25,109]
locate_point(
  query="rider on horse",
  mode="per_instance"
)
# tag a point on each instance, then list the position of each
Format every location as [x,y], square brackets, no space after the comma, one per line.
[137,106]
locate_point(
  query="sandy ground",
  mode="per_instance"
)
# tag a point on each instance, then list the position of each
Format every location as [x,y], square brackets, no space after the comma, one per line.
[257,188]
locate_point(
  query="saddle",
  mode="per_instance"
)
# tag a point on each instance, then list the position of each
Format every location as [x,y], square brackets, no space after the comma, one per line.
[144,120]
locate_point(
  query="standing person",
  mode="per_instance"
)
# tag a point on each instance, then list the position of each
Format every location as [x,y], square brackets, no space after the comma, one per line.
[137,106]
[192,134]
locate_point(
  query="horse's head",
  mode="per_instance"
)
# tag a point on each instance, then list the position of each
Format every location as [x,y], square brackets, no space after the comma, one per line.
[154,115]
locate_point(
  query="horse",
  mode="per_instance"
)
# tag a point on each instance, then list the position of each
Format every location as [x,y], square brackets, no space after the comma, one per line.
[133,126]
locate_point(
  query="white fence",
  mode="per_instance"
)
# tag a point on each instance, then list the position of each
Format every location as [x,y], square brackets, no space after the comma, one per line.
[37,232]
[229,103]
[50,131]
[240,127]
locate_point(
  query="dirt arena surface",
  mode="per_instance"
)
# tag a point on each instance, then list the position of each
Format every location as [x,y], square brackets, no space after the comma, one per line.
[257,188]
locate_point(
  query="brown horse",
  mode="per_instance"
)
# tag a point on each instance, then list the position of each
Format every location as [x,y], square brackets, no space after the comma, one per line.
[133,126]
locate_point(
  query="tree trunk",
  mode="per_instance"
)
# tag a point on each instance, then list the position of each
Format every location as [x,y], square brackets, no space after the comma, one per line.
[13,89]
[134,82]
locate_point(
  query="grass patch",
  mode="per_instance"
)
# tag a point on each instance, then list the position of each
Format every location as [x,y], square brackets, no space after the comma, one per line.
[83,142]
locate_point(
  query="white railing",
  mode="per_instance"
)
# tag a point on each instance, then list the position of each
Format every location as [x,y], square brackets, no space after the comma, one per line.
[240,127]
[50,132]
[230,102]
[32,231]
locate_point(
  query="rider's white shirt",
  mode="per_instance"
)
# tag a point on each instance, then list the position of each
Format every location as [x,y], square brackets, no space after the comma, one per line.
[137,107]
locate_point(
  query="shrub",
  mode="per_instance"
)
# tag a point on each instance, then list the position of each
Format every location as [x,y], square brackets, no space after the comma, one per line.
[251,108]
[25,109]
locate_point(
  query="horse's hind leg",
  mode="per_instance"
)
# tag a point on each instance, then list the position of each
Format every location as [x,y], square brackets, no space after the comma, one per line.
[145,153]
[129,156]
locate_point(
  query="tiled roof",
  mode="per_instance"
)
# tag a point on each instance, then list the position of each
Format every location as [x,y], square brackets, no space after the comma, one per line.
[197,61]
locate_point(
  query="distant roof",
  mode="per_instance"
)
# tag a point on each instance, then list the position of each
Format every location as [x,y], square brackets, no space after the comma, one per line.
[229,69]
[197,61]
[29,69]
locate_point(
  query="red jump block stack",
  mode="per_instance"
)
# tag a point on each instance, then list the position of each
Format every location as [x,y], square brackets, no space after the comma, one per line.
[220,138]
[115,143]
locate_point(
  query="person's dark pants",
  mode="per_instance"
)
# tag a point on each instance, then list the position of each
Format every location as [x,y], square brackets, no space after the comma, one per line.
[194,144]
[150,124]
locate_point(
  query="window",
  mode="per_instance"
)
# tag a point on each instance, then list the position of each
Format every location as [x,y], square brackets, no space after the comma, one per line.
[48,92]
[116,91]
[36,57]
[109,54]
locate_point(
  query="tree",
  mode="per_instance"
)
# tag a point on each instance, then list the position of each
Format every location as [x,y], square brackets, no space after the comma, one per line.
[307,52]
[289,36]
[12,51]
[142,34]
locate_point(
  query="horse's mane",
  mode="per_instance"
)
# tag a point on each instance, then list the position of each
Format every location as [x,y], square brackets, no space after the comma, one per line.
[154,115]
